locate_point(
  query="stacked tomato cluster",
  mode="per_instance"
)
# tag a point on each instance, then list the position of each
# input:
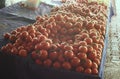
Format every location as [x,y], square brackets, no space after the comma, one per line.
[70,38]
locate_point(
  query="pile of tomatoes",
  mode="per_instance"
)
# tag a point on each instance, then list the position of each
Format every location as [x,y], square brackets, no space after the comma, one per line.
[70,38]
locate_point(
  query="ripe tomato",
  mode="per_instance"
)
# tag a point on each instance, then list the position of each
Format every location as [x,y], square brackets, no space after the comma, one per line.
[84,35]
[68,47]
[88,40]
[61,58]
[97,61]
[69,54]
[78,24]
[47,63]
[4,49]
[95,46]
[79,69]
[82,55]
[34,54]
[12,38]
[58,17]
[95,39]
[93,34]
[97,26]
[43,54]
[45,45]
[87,63]
[88,71]
[95,71]
[53,55]
[7,35]
[29,38]
[53,47]
[83,49]
[83,43]
[24,34]
[42,38]
[38,61]
[75,61]
[90,25]
[66,65]
[22,52]
[92,55]
[90,48]
[37,46]
[14,50]
[94,65]
[57,65]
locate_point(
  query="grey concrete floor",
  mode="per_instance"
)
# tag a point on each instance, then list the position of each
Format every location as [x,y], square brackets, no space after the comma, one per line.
[112,65]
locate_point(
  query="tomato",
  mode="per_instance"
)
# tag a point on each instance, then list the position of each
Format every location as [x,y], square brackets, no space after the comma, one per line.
[68,47]
[79,69]
[14,50]
[35,40]
[68,25]
[22,52]
[49,26]
[37,46]
[12,38]
[93,34]
[87,63]
[61,58]
[20,47]
[101,42]
[51,19]
[69,54]
[3,49]
[88,40]
[9,46]
[7,35]
[90,25]
[29,38]
[95,71]
[82,55]
[53,55]
[47,63]
[34,54]
[97,26]
[24,34]
[83,43]
[66,65]
[78,24]
[95,39]
[32,31]
[83,49]
[97,61]
[32,35]
[88,71]
[90,48]
[84,35]
[57,65]
[100,47]
[75,61]
[23,28]
[58,17]
[29,27]
[92,55]
[38,61]
[94,65]
[45,45]
[43,54]
[42,38]
[95,46]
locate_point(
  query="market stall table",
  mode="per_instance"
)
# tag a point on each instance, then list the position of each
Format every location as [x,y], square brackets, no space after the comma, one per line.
[22,70]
